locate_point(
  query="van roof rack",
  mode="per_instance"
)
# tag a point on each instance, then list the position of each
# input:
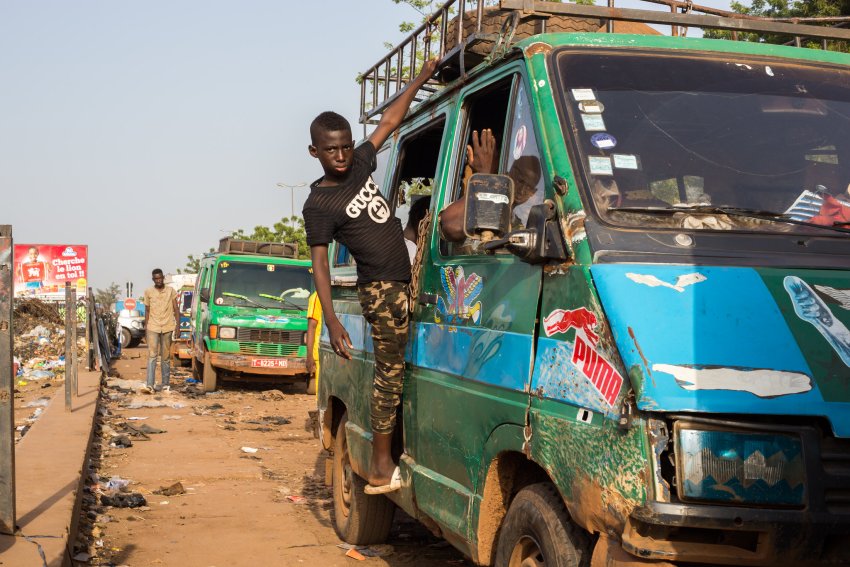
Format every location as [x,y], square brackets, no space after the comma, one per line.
[228,245]
[455,35]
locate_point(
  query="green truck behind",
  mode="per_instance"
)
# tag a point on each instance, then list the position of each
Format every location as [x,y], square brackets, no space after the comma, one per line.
[248,314]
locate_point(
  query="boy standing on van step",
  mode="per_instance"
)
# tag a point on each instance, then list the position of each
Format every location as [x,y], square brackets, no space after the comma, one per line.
[346,205]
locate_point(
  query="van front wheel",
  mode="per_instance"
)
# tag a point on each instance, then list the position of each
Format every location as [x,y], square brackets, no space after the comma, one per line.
[210,375]
[359,518]
[537,531]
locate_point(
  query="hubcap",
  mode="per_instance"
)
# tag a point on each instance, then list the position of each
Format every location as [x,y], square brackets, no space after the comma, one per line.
[527,553]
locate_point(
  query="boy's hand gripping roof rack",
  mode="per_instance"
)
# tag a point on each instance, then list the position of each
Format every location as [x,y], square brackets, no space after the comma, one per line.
[229,245]
[463,38]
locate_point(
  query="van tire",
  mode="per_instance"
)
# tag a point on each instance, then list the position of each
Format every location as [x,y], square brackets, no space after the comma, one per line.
[210,374]
[311,385]
[537,527]
[359,519]
[126,338]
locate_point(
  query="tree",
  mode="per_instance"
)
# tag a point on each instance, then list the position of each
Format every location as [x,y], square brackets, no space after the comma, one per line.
[108,296]
[288,229]
[787,9]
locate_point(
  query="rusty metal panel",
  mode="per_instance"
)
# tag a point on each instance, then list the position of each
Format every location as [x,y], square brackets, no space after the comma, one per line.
[7,386]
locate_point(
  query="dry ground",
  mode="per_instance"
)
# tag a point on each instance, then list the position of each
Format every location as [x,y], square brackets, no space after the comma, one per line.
[269,507]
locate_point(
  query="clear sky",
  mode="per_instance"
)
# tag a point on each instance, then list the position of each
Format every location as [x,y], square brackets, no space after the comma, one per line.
[148,130]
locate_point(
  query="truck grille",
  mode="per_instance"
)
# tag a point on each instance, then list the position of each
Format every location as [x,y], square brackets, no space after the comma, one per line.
[266,349]
[835,459]
[270,336]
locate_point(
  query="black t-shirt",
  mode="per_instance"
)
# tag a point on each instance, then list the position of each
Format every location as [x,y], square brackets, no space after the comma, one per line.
[355,214]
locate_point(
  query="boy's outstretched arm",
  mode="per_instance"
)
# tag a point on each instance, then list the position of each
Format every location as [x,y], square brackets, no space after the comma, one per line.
[392,116]
[340,341]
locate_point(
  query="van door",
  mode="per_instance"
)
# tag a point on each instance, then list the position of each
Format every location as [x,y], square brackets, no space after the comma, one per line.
[200,313]
[472,346]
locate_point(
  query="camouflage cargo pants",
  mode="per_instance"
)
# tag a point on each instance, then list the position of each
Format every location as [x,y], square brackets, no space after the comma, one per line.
[385,308]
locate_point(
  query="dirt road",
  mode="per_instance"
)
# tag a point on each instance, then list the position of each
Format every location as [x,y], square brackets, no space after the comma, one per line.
[253,476]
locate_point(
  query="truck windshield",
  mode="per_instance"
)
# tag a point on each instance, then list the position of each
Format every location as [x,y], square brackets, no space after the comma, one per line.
[255,284]
[710,142]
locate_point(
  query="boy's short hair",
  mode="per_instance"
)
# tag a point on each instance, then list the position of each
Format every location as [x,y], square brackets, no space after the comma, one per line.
[418,210]
[156,272]
[328,121]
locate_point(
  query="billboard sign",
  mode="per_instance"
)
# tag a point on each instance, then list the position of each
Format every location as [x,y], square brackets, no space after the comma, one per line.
[41,270]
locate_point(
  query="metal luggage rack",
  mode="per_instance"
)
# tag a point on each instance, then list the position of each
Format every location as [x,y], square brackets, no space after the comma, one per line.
[381,83]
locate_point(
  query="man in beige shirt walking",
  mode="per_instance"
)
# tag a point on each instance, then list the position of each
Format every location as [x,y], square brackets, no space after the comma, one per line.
[162,317]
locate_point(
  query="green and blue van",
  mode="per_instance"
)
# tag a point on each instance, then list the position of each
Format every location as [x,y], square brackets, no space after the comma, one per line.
[641,354]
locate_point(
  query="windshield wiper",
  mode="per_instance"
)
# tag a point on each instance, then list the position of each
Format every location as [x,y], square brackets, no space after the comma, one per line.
[244,298]
[282,300]
[722,210]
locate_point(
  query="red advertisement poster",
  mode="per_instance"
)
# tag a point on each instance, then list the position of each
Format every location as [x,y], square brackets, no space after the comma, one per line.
[41,270]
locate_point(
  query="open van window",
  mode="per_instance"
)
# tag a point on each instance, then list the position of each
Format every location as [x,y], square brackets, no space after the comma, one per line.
[708,144]
[418,155]
[484,109]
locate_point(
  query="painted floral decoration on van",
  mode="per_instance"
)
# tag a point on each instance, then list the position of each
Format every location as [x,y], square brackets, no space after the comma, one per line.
[459,304]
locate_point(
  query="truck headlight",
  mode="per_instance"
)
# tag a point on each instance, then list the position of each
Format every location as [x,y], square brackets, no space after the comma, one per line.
[227,332]
[739,467]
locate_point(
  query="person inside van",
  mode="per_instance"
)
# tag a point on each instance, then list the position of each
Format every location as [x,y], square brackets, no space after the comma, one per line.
[482,156]
[346,205]
[418,210]
[525,173]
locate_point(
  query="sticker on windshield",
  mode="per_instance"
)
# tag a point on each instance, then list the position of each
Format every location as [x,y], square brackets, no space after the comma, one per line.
[593,122]
[625,161]
[603,141]
[224,264]
[591,106]
[519,141]
[600,165]
[583,94]
[219,301]
[269,267]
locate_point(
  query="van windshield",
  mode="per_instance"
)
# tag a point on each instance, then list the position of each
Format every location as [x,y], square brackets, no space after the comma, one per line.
[721,143]
[253,284]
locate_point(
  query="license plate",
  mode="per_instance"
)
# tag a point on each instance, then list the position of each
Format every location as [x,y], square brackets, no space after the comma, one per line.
[269,363]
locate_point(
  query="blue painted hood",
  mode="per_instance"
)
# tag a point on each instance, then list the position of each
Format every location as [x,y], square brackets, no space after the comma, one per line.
[732,340]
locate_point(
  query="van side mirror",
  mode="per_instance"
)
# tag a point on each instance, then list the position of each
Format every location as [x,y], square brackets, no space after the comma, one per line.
[488,206]
[541,241]
[204,294]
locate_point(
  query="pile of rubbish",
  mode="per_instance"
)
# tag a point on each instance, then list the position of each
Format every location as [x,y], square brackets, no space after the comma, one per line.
[39,340]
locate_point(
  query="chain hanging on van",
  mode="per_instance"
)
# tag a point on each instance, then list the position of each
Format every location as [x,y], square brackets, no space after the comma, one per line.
[416,268]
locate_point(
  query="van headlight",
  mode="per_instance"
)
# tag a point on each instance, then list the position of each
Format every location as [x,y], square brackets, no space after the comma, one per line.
[739,467]
[227,332]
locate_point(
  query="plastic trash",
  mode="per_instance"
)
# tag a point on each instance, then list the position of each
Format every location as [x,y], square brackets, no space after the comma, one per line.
[249,449]
[40,374]
[39,403]
[117,483]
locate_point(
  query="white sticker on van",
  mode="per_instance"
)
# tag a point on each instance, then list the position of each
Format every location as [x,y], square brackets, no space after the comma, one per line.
[583,94]
[625,161]
[593,122]
[492,197]
[762,382]
[600,165]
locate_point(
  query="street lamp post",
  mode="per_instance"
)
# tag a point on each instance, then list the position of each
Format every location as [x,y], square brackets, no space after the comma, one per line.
[292,189]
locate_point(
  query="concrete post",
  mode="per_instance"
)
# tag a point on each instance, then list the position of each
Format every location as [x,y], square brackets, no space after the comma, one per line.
[7,386]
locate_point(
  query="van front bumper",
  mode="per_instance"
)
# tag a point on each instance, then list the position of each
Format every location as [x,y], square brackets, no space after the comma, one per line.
[722,535]
[265,365]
